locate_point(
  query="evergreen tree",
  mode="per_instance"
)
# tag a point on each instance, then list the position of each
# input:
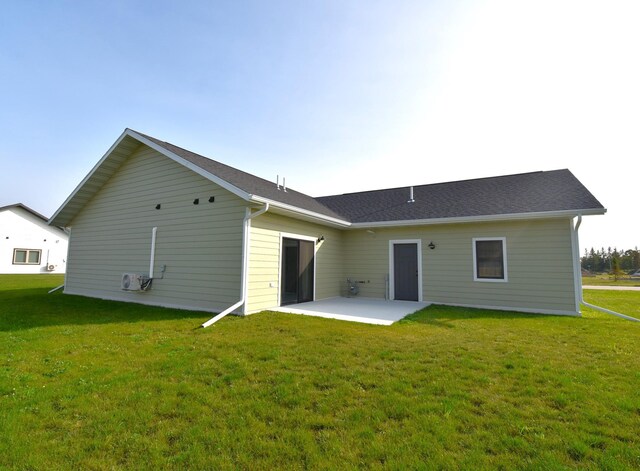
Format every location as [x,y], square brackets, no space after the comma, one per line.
[616,271]
[599,261]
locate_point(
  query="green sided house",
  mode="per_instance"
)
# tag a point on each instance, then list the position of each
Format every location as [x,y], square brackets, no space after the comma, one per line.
[153,223]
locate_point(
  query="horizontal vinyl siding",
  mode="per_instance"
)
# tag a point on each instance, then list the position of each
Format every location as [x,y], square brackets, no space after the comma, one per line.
[264,259]
[539,264]
[199,244]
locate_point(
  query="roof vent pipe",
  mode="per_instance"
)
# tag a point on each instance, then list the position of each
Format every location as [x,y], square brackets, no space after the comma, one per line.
[411,200]
[278,182]
[284,184]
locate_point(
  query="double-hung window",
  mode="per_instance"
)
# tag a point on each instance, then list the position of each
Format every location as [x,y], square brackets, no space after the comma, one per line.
[490,259]
[26,256]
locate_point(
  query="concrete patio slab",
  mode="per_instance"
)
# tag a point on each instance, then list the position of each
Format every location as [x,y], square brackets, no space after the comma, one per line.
[366,310]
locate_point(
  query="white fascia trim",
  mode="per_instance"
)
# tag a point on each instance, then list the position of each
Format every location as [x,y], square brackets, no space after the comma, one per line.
[294,209]
[89,175]
[209,176]
[486,218]
[553,312]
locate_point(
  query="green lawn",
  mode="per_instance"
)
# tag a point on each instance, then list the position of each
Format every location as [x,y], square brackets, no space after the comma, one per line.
[90,384]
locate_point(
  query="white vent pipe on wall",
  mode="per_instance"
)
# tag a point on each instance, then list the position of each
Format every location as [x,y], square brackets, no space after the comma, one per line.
[152,259]
[245,265]
[578,277]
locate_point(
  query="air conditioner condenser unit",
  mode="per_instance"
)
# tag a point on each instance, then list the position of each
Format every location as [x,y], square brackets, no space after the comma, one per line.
[131,282]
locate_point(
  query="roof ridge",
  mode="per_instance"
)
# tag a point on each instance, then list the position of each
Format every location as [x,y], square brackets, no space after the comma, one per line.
[444,183]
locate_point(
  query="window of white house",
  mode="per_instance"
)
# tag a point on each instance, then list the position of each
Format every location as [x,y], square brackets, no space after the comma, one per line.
[490,259]
[26,256]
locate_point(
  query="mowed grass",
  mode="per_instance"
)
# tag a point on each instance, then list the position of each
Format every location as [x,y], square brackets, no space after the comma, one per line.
[609,280]
[91,384]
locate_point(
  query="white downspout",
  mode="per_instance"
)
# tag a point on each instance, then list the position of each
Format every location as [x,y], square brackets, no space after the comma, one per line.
[245,265]
[578,277]
[577,272]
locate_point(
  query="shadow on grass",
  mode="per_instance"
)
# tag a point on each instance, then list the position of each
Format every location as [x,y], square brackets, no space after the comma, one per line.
[442,316]
[30,308]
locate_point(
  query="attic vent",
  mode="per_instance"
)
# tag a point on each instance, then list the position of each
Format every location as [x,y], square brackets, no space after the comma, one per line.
[411,200]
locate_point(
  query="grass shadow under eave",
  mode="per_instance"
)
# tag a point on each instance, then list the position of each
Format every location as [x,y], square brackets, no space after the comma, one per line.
[30,308]
[441,316]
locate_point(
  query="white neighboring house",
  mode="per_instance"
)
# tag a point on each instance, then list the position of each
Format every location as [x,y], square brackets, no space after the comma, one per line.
[28,244]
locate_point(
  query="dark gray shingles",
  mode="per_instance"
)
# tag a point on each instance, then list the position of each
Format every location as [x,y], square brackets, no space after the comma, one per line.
[534,192]
[556,190]
[248,183]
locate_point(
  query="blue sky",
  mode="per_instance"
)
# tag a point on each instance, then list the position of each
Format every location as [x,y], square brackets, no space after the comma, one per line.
[337,96]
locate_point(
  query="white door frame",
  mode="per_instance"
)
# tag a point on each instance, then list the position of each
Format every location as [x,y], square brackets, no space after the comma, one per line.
[288,235]
[418,242]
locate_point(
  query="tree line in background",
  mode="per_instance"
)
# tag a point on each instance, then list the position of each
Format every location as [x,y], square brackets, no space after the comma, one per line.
[610,260]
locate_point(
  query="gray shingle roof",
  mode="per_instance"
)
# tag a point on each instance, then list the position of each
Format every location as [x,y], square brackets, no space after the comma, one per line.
[535,192]
[248,183]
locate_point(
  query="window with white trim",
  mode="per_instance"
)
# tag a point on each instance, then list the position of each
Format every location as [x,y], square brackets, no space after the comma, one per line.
[26,256]
[490,259]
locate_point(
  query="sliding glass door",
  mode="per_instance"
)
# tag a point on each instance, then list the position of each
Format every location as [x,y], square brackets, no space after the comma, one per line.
[296,275]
